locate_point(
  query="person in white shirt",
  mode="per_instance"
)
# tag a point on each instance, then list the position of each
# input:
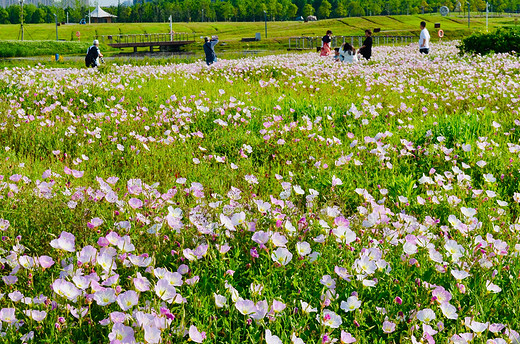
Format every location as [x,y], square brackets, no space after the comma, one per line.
[424,39]
[348,54]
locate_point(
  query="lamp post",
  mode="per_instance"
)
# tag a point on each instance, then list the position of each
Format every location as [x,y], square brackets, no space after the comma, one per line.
[487,11]
[265,19]
[56,18]
[21,17]
[469,10]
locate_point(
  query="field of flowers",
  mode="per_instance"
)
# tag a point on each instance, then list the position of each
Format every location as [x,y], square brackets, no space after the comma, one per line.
[280,199]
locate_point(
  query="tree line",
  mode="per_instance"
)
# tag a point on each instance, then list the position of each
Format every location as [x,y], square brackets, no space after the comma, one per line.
[246,10]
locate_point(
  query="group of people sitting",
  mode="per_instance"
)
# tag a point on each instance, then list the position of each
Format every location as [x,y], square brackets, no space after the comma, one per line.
[347,53]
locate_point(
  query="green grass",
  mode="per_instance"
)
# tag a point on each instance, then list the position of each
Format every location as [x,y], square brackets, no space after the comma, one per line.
[38,48]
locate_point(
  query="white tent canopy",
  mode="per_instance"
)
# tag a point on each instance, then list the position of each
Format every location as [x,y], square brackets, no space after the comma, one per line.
[100,13]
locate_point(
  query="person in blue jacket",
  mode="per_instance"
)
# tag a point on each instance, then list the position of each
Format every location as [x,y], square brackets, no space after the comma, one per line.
[209,49]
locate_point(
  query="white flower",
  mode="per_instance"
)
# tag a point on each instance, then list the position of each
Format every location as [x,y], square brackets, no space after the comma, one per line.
[488,177]
[352,304]
[426,315]
[303,248]
[336,181]
[220,301]
[272,339]
[330,319]
[449,310]
[307,308]
[493,288]
[282,256]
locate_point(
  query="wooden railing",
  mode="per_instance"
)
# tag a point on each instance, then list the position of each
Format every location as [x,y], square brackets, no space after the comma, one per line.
[146,38]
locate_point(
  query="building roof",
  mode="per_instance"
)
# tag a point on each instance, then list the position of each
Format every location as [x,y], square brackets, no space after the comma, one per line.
[100,13]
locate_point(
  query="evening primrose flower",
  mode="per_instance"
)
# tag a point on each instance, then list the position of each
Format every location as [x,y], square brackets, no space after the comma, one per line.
[282,256]
[329,318]
[303,248]
[460,274]
[352,304]
[475,326]
[66,289]
[4,225]
[492,288]
[426,315]
[245,307]
[165,290]
[105,296]
[271,339]
[65,242]
[220,300]
[141,283]
[307,308]
[296,340]
[152,334]
[449,311]
[127,300]
[195,335]
[346,338]
[388,326]
[328,281]
[123,334]
[7,315]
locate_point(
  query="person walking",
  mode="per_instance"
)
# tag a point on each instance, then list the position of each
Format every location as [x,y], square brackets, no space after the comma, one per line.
[424,39]
[325,44]
[93,55]
[209,49]
[366,49]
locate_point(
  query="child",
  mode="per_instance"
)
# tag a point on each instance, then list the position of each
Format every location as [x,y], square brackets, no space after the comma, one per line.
[348,54]
[336,55]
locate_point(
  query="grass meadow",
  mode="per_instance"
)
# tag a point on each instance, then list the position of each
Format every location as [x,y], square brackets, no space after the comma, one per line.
[276,199]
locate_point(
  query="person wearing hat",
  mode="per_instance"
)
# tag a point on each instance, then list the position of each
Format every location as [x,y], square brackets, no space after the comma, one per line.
[209,49]
[93,55]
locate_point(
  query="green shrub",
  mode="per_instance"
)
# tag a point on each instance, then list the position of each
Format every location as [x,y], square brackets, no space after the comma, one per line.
[39,48]
[502,40]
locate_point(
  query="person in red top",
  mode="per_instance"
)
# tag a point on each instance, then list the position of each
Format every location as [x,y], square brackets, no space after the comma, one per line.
[325,48]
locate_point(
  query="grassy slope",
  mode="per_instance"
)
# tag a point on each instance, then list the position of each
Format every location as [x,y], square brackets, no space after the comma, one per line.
[453,26]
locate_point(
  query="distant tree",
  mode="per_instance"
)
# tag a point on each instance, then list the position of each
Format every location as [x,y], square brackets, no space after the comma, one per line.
[341,9]
[28,11]
[292,10]
[226,10]
[355,9]
[38,16]
[14,14]
[308,10]
[324,10]
[4,16]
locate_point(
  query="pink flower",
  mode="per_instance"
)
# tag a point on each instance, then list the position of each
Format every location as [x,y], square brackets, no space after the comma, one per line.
[346,338]
[388,326]
[121,333]
[95,222]
[195,335]
[127,300]
[7,315]
[45,262]
[66,242]
[135,203]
